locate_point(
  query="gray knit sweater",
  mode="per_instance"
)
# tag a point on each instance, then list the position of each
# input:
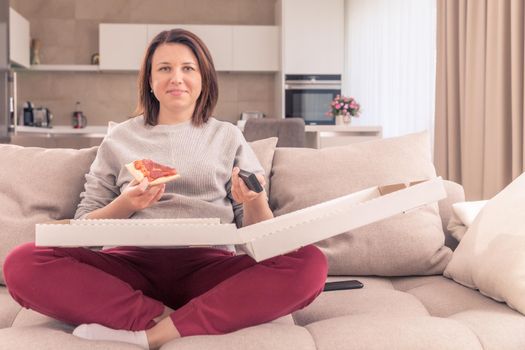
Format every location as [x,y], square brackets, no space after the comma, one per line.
[203,156]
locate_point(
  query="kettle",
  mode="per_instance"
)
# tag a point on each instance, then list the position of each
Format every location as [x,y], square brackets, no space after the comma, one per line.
[78,120]
[42,117]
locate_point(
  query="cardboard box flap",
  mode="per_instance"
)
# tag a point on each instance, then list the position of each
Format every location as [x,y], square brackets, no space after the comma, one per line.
[343,217]
[386,189]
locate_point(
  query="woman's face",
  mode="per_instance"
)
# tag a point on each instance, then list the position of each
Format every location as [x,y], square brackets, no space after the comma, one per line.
[175,79]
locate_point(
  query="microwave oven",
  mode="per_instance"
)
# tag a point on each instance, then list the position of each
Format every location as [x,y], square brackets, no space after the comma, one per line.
[309,97]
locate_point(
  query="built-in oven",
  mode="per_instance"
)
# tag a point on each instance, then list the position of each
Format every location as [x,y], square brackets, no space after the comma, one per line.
[309,97]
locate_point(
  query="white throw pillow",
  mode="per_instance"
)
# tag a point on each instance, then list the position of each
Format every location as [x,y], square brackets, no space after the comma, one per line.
[491,255]
[463,215]
[467,211]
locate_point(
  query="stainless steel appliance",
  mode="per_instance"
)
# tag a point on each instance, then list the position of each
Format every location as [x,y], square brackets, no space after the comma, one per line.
[42,117]
[309,97]
[251,114]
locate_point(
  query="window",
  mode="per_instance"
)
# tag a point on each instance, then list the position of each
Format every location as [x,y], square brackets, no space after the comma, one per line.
[390,63]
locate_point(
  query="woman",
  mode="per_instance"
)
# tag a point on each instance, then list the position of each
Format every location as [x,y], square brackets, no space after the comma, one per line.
[151,296]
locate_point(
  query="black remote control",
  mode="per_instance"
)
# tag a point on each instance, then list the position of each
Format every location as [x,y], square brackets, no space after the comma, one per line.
[341,285]
[251,181]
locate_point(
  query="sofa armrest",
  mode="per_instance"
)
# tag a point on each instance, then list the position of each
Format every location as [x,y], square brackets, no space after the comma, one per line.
[455,193]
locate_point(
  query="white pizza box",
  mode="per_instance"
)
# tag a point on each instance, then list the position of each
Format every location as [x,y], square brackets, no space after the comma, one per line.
[261,241]
[136,232]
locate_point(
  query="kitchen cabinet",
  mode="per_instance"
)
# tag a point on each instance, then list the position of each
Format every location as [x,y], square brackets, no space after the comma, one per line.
[122,46]
[233,48]
[19,39]
[313,36]
[256,48]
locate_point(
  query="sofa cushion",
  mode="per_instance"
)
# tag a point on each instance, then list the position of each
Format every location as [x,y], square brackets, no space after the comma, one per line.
[44,338]
[455,193]
[264,150]
[443,297]
[406,244]
[380,301]
[37,185]
[9,308]
[269,336]
[379,331]
[495,330]
[491,254]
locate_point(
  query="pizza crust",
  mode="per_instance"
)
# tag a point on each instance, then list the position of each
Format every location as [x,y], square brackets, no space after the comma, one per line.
[164,179]
[138,175]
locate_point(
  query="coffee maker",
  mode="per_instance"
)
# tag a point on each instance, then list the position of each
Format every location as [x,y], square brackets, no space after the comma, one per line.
[36,116]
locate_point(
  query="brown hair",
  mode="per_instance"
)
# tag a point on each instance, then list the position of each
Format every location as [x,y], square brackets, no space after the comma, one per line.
[149,105]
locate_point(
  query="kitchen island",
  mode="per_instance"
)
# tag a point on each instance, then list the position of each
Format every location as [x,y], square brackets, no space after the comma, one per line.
[323,136]
[60,136]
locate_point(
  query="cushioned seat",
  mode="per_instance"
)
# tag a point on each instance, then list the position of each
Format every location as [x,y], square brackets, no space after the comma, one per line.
[8,308]
[375,331]
[427,312]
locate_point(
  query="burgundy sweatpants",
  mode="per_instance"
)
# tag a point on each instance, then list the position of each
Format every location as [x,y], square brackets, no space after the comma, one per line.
[212,291]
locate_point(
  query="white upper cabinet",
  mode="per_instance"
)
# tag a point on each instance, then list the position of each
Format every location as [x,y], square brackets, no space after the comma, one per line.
[313,36]
[122,46]
[233,48]
[256,48]
[19,39]
[218,39]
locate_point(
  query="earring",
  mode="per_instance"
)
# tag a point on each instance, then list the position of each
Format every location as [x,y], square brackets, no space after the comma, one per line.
[151,91]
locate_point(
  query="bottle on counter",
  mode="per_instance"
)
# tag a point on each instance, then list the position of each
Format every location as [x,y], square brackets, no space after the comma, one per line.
[28,118]
[78,119]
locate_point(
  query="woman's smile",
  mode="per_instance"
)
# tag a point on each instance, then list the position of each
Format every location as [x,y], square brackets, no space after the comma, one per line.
[176,92]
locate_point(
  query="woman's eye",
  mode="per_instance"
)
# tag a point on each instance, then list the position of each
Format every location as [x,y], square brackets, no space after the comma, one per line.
[189,68]
[164,69]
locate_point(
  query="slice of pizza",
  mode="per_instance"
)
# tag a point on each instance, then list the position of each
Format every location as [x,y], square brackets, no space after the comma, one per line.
[155,172]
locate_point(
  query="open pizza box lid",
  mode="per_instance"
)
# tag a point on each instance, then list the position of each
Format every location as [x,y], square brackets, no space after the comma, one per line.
[262,240]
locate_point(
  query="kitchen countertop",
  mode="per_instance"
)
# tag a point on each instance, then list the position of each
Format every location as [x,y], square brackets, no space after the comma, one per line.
[62,130]
[332,128]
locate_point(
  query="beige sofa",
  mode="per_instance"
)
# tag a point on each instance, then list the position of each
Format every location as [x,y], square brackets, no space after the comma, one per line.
[406,302]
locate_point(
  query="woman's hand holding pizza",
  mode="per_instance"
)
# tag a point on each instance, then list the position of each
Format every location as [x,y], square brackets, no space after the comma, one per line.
[138,195]
[240,192]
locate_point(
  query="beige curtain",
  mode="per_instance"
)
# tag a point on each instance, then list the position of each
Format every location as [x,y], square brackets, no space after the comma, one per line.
[480,99]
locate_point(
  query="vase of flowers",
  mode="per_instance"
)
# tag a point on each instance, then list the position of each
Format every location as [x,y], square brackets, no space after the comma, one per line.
[343,108]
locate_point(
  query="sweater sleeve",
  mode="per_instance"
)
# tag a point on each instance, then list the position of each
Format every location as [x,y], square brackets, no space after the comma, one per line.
[100,187]
[245,159]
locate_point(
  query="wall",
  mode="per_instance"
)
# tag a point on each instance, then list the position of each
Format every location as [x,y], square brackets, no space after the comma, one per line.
[68,32]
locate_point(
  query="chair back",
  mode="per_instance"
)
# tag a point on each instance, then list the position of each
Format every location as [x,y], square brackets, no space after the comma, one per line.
[289,131]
